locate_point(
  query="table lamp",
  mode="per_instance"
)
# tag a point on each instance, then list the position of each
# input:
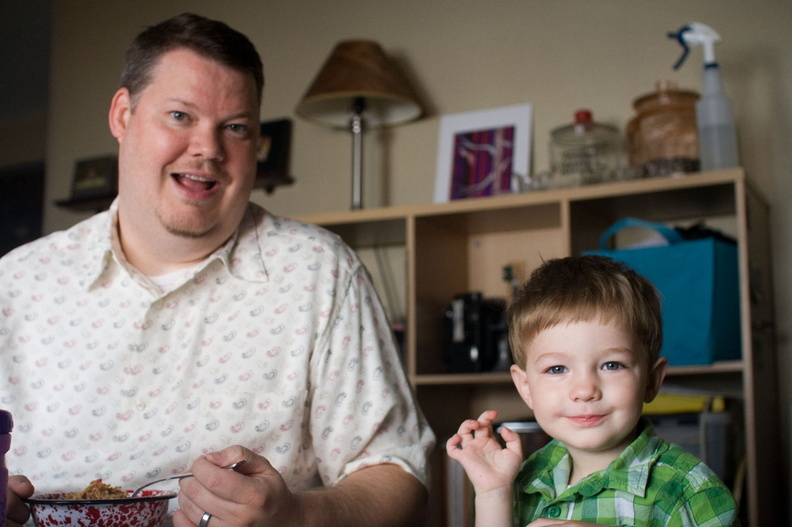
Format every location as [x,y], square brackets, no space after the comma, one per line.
[358,87]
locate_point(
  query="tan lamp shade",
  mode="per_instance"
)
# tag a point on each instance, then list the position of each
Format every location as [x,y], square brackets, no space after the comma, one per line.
[355,69]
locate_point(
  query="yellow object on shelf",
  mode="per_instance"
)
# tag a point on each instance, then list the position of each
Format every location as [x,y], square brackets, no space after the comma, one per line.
[672,403]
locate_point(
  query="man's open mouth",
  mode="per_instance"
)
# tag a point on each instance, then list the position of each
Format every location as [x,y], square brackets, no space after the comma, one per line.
[193,182]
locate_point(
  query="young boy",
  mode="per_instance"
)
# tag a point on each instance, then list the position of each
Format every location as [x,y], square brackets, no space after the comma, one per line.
[586,334]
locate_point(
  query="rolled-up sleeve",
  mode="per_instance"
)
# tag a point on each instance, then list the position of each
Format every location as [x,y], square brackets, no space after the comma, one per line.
[363,410]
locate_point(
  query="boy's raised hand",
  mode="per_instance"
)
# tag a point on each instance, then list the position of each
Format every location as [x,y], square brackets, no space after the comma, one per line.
[489,466]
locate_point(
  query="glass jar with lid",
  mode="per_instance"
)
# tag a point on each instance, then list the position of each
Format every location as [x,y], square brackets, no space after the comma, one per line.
[662,138]
[584,152]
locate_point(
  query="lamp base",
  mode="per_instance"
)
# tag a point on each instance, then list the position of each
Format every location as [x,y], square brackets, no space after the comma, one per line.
[356,126]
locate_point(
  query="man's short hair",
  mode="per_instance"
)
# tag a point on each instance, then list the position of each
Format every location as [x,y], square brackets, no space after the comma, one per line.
[210,38]
[582,289]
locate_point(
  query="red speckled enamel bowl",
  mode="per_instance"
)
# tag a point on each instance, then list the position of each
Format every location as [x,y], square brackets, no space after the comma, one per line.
[146,510]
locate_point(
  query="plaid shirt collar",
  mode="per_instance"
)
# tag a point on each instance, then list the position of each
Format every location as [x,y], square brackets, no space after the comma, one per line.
[629,472]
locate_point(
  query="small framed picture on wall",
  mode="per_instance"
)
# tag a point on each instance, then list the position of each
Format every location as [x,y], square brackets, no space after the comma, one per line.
[96,177]
[479,153]
[273,155]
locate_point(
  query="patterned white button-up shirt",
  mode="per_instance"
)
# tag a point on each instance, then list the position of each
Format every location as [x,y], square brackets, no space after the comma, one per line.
[276,342]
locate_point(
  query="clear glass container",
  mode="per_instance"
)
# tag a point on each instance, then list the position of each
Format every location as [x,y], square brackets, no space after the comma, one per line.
[584,152]
[662,138]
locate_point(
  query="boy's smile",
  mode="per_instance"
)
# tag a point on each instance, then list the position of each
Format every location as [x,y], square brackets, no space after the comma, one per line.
[586,383]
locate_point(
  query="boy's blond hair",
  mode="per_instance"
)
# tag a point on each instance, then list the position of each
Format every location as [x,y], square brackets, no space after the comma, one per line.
[582,289]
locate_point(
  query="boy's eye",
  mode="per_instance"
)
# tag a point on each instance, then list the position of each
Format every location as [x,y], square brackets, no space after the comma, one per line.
[555,370]
[611,366]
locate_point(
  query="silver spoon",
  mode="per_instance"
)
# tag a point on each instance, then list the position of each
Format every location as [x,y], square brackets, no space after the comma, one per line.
[179,476]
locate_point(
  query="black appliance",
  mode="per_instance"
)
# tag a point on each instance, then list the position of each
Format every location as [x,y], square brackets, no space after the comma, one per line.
[476,335]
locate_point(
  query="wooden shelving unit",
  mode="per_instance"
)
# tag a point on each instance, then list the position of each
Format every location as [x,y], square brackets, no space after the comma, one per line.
[462,246]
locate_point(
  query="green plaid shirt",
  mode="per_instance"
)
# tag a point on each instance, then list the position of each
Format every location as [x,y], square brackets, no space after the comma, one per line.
[651,484]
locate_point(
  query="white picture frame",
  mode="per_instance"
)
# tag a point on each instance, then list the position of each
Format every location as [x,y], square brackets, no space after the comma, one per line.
[480,153]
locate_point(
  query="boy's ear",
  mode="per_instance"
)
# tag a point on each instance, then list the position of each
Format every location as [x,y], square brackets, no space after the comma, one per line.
[520,379]
[655,381]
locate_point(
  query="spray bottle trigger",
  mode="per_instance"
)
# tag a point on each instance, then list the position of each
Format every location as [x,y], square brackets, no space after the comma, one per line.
[679,36]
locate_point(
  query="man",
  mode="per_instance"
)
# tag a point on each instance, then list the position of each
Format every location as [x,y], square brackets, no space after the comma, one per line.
[187,329]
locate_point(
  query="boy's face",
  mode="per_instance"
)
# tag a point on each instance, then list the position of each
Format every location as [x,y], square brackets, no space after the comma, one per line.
[586,383]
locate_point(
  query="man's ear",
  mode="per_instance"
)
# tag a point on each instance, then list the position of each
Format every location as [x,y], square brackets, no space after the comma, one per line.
[520,379]
[655,379]
[120,111]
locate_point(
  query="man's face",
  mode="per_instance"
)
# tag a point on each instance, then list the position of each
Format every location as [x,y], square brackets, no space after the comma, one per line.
[187,150]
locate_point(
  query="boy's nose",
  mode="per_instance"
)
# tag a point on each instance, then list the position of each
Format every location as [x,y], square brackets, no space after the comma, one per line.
[584,388]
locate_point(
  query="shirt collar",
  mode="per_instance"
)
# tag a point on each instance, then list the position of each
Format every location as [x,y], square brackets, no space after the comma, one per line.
[241,254]
[99,245]
[629,472]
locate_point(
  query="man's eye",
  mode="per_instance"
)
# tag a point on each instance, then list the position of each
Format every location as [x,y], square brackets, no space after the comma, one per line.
[179,116]
[611,366]
[240,129]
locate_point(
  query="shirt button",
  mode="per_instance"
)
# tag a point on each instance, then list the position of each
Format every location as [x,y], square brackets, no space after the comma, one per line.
[554,511]
[140,405]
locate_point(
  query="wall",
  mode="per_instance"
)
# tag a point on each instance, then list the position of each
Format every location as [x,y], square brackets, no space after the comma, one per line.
[23,89]
[23,139]
[461,55]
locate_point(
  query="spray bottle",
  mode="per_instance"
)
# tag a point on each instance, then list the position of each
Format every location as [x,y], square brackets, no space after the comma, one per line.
[715,121]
